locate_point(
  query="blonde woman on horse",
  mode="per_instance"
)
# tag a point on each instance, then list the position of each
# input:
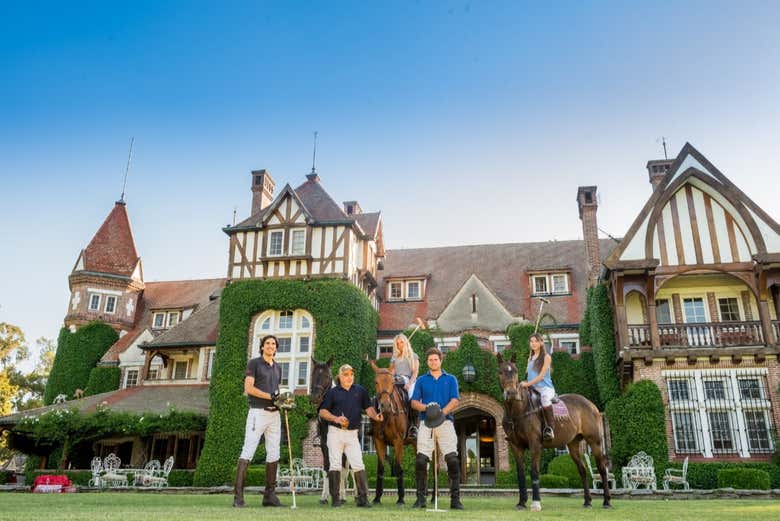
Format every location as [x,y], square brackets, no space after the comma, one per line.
[407,366]
[539,366]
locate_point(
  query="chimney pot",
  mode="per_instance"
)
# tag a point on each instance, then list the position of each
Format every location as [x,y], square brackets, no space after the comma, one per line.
[262,190]
[657,169]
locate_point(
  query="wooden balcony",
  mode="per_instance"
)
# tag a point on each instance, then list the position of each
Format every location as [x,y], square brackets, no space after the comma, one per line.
[702,334]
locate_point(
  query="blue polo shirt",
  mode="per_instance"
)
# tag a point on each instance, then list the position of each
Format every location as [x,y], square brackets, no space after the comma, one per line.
[350,403]
[428,389]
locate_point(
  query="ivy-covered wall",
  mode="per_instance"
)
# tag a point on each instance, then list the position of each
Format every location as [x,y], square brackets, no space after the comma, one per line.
[485,365]
[77,354]
[345,326]
[102,380]
[600,334]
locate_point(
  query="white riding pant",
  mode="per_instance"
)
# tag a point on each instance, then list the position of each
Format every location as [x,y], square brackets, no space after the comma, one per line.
[445,435]
[546,394]
[344,441]
[261,422]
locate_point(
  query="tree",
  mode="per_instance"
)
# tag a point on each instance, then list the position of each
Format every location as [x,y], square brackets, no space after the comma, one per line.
[20,390]
[13,349]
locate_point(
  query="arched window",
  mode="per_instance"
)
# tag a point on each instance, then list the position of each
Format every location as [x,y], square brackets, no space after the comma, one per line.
[295,332]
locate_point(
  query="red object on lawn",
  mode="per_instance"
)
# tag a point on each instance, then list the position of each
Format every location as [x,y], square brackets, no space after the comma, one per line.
[51,483]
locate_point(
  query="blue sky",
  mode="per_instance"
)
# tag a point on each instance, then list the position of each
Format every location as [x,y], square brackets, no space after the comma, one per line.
[464,122]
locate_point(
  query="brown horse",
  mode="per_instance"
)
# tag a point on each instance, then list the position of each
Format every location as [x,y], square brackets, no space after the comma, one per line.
[390,431]
[523,427]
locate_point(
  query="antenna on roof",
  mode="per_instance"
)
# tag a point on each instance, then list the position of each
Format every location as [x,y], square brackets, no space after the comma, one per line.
[663,143]
[127,170]
[235,209]
[608,235]
[314,155]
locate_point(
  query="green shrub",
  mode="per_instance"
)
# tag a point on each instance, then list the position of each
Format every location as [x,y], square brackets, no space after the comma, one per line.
[564,466]
[554,481]
[345,323]
[255,476]
[743,478]
[589,386]
[77,354]
[569,376]
[519,336]
[602,336]
[585,323]
[102,380]
[705,475]
[5,476]
[638,423]
[180,478]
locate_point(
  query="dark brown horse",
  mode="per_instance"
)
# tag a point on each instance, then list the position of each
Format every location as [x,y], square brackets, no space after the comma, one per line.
[390,431]
[523,427]
[321,382]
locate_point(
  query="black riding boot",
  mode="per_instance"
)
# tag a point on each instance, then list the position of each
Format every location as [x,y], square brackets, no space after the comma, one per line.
[453,473]
[421,476]
[334,483]
[548,433]
[361,484]
[238,487]
[413,420]
[269,493]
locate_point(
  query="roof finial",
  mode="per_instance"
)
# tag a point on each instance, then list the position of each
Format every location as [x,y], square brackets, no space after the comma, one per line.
[127,170]
[663,143]
[314,155]
[235,211]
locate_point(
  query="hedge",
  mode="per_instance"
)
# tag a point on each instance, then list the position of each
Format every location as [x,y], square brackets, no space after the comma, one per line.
[102,380]
[345,323]
[589,385]
[705,475]
[484,363]
[5,476]
[77,353]
[603,343]
[585,323]
[519,336]
[637,423]
[743,478]
[564,466]
[569,376]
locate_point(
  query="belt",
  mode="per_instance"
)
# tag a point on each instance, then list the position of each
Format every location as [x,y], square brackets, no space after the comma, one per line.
[338,426]
[271,408]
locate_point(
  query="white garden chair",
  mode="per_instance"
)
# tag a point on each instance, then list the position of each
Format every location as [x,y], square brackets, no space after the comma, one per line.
[150,469]
[640,472]
[96,466]
[160,479]
[111,477]
[677,476]
[595,476]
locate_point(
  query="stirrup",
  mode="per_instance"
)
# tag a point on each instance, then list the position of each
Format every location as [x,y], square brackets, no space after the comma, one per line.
[548,433]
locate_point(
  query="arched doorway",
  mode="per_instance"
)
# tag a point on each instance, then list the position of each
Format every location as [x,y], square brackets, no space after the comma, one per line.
[482,445]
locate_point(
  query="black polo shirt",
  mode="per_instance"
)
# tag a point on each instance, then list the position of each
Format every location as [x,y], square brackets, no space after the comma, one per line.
[267,378]
[351,403]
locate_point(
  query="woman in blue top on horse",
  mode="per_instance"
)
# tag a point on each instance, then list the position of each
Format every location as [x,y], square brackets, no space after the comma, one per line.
[539,365]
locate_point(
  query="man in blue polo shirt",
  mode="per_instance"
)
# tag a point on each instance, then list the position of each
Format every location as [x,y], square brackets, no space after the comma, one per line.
[342,408]
[436,396]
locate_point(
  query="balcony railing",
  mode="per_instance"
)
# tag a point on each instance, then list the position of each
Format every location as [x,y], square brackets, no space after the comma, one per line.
[702,334]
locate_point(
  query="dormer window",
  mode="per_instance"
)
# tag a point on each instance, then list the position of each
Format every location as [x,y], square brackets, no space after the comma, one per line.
[413,290]
[408,289]
[165,319]
[550,284]
[159,321]
[396,291]
[173,318]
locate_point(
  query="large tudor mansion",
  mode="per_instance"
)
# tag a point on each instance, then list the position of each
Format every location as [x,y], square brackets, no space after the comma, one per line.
[695,288]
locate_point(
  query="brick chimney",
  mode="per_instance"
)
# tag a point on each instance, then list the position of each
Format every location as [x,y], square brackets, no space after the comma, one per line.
[262,190]
[586,201]
[352,208]
[656,170]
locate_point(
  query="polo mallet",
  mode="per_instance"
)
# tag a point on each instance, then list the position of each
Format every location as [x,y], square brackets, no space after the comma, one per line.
[542,302]
[420,324]
[286,402]
[435,466]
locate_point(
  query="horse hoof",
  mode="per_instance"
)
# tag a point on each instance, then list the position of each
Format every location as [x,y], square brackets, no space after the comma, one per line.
[323,501]
[519,507]
[377,501]
[587,505]
[536,506]
[607,505]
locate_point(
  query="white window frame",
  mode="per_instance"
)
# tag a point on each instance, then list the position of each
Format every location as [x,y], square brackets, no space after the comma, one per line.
[740,313]
[419,289]
[565,284]
[186,370]
[164,318]
[576,343]
[384,347]
[294,333]
[400,285]
[270,252]
[110,298]
[210,366]
[89,304]
[705,307]
[137,373]
[293,250]
[546,285]
[173,318]
[154,373]
[700,406]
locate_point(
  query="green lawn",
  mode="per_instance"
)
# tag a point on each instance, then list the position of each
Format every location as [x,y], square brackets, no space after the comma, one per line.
[136,506]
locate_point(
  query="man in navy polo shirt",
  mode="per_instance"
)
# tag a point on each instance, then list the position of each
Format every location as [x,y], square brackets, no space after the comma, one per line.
[342,407]
[436,396]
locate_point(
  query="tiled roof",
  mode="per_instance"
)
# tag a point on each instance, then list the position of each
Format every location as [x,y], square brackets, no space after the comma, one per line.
[172,294]
[112,249]
[501,267]
[200,329]
[369,222]
[319,203]
[153,399]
